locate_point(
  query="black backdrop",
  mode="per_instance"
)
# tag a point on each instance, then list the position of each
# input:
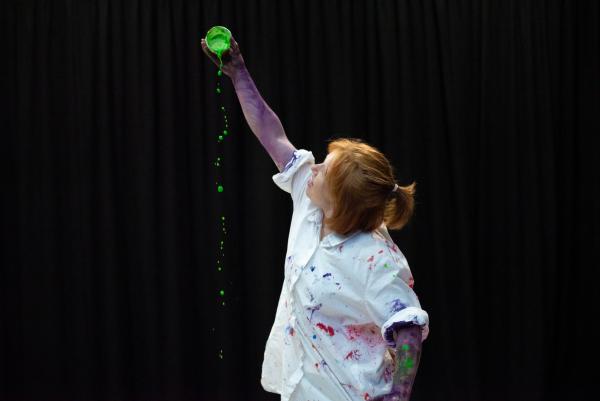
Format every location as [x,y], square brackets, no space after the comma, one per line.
[110,221]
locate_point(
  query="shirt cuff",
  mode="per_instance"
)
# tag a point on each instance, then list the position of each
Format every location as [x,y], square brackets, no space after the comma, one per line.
[406,317]
[284,178]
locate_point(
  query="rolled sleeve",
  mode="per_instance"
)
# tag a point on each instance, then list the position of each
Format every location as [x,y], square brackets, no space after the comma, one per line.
[390,301]
[294,177]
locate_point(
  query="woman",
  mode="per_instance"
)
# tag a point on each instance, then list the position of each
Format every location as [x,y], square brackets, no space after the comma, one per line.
[348,324]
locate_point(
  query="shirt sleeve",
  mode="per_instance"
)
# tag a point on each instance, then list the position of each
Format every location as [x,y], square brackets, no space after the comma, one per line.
[294,177]
[390,301]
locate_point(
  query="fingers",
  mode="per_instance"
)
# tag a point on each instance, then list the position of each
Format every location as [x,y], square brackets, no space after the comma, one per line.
[234,44]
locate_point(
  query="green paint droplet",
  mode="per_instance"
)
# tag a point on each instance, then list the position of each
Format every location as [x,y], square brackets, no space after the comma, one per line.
[219,73]
[222,217]
[222,108]
[220,188]
[219,269]
[225,132]
[222,292]
[220,137]
[409,363]
[218,90]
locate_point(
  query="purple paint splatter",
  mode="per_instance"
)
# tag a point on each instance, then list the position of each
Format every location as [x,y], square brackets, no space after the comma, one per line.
[396,305]
[313,309]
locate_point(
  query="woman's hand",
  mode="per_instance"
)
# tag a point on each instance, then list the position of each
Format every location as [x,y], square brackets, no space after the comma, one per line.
[232,58]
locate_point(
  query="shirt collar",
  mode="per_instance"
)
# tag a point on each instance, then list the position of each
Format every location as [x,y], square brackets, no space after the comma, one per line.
[332,239]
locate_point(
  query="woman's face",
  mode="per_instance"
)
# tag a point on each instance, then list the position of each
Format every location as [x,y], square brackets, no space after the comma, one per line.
[317,189]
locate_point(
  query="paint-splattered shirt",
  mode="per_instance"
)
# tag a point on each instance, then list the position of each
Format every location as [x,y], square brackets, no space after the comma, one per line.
[340,301]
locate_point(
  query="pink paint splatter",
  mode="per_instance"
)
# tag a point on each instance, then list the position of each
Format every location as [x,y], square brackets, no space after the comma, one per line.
[380,251]
[411,282]
[394,248]
[368,334]
[327,329]
[370,259]
[354,354]
[353,332]
[367,396]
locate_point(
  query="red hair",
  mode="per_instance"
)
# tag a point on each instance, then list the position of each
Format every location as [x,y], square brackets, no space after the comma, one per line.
[360,179]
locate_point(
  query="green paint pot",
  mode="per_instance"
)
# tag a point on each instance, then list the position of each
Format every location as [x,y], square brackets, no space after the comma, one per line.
[218,40]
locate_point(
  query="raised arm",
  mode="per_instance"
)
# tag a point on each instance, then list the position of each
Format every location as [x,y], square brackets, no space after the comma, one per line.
[263,121]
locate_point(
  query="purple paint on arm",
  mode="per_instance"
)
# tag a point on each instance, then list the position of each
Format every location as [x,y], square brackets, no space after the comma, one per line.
[408,354]
[263,121]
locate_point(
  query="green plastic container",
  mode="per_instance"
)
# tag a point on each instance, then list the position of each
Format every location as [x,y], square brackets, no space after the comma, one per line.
[218,40]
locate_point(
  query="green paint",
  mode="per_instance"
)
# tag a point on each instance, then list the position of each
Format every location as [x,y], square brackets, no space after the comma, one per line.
[218,41]
[405,347]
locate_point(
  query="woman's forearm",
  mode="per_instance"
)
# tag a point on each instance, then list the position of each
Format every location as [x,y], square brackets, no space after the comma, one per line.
[408,355]
[263,121]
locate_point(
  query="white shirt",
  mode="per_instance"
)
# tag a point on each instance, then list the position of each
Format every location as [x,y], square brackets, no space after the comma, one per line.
[332,335]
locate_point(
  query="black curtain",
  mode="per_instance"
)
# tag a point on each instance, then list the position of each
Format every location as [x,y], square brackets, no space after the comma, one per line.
[111,222]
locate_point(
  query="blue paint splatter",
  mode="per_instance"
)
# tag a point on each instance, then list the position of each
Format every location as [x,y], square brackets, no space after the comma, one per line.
[312,268]
[326,275]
